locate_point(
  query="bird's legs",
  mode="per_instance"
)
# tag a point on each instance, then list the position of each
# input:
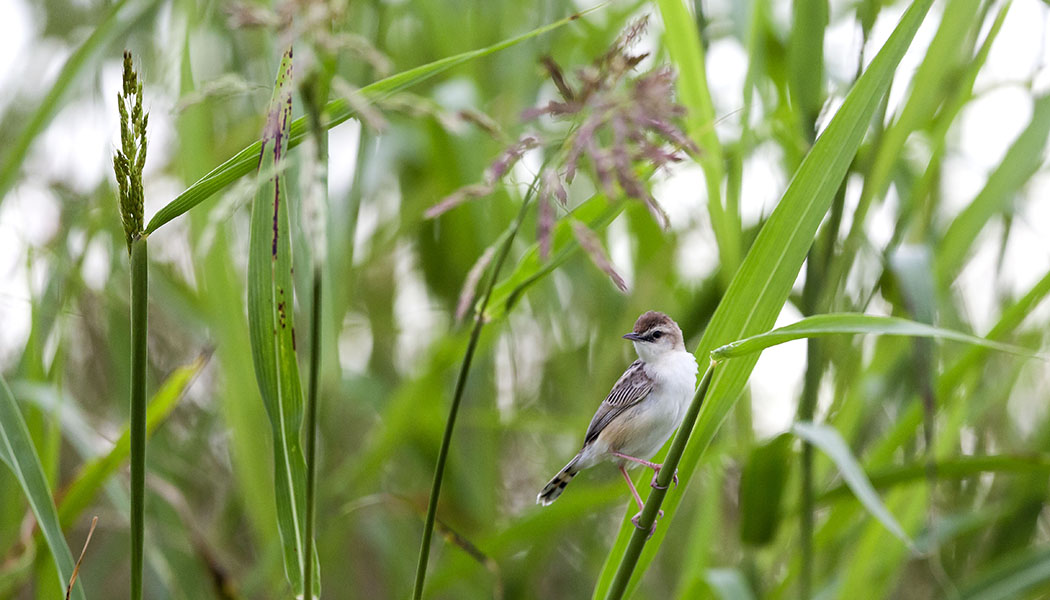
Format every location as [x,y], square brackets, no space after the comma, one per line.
[655,467]
[638,500]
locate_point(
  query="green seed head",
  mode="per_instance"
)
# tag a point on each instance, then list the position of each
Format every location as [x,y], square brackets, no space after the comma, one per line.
[131,157]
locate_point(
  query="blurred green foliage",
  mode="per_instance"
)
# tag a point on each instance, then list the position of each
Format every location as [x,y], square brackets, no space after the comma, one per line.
[954,438]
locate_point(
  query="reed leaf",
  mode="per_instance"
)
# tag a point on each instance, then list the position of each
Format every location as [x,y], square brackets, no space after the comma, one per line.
[271,301]
[19,454]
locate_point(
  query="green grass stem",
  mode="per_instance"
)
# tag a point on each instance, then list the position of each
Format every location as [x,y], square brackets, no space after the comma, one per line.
[311,432]
[457,397]
[139,289]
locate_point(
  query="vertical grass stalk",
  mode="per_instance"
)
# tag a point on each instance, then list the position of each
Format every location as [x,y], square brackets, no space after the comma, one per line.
[313,91]
[139,288]
[127,166]
[656,497]
[457,396]
[311,432]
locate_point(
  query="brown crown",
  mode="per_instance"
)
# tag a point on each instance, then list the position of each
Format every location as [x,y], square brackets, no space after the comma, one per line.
[650,319]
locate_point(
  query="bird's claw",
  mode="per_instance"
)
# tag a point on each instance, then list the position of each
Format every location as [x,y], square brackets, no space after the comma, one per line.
[656,476]
[652,529]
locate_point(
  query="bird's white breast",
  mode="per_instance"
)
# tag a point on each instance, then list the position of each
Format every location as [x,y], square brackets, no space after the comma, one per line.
[656,418]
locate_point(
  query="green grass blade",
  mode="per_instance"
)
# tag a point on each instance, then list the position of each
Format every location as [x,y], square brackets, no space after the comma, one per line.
[1012,577]
[936,71]
[687,53]
[850,323]
[831,443]
[81,492]
[761,286]
[18,452]
[272,329]
[762,483]
[1012,316]
[809,18]
[335,112]
[961,467]
[121,17]
[1022,160]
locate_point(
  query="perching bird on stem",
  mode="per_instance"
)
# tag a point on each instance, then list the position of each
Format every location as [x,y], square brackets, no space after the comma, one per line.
[641,412]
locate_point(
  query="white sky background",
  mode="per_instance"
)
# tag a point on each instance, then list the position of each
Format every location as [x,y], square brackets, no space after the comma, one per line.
[77,147]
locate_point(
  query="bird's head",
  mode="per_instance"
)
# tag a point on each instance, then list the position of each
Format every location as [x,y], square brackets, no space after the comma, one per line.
[654,335]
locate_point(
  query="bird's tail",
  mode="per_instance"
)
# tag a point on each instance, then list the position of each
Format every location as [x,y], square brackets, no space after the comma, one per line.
[556,486]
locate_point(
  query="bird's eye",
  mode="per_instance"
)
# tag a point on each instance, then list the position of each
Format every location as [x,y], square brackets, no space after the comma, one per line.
[657,334]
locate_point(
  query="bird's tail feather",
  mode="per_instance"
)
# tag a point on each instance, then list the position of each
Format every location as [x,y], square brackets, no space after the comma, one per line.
[556,486]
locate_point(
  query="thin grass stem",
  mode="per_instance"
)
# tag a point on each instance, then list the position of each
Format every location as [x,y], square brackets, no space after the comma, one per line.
[138,410]
[311,434]
[457,397]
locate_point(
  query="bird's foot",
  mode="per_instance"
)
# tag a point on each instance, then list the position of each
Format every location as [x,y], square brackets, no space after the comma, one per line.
[652,529]
[656,475]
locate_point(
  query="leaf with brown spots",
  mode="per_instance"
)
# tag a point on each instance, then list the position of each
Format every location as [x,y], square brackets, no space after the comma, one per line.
[271,326]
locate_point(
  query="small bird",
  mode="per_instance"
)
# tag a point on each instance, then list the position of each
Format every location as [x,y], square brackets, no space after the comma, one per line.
[641,412]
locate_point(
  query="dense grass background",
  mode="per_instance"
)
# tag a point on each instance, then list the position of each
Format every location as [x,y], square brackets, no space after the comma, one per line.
[941,219]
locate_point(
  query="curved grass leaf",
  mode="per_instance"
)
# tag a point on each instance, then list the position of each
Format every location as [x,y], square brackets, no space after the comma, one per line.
[937,72]
[19,454]
[1022,160]
[761,286]
[831,443]
[335,112]
[271,301]
[954,468]
[851,323]
[1012,316]
[1012,577]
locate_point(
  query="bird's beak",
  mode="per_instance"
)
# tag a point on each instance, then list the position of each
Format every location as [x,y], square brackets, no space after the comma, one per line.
[634,337]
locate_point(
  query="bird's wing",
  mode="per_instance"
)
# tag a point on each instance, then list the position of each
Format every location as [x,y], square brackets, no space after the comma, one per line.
[631,388]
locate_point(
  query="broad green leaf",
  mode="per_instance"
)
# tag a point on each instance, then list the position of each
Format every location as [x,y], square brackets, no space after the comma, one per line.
[761,286]
[831,443]
[762,483]
[335,112]
[18,453]
[1022,160]
[851,323]
[81,492]
[271,301]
